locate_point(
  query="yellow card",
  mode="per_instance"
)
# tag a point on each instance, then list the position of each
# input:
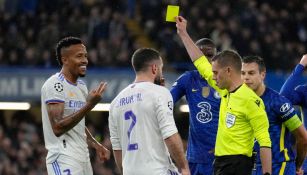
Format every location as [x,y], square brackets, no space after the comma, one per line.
[171,12]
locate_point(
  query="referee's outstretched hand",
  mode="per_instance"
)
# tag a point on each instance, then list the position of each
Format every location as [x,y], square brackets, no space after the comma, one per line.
[95,95]
[181,25]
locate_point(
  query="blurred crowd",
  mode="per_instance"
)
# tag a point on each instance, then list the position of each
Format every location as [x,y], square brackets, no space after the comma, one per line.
[29,29]
[22,150]
[274,29]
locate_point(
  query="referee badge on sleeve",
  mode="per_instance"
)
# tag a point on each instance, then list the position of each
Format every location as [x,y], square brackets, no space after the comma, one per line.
[230,120]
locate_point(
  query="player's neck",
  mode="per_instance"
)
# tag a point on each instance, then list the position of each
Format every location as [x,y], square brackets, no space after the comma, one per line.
[260,90]
[69,77]
[143,78]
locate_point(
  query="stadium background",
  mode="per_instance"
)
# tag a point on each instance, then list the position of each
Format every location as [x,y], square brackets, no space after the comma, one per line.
[112,30]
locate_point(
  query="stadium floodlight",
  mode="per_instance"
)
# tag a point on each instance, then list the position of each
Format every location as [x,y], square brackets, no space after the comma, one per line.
[102,107]
[184,108]
[14,106]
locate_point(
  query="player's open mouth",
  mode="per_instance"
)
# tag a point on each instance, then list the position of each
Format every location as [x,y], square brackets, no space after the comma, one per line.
[83,68]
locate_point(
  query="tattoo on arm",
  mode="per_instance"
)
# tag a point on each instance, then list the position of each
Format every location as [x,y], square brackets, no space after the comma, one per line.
[61,124]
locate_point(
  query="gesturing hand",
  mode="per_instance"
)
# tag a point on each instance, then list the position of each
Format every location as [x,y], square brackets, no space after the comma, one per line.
[103,153]
[95,95]
[300,172]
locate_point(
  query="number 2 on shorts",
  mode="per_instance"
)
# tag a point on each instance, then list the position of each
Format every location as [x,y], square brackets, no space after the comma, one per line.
[130,115]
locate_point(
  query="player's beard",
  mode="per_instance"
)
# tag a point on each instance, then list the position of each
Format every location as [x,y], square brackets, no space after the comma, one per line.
[158,80]
[82,75]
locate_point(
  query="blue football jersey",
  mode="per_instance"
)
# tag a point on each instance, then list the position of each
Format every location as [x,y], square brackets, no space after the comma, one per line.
[297,94]
[279,110]
[300,93]
[204,103]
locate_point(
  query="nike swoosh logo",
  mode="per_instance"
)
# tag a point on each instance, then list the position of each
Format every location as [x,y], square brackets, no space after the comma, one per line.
[194,90]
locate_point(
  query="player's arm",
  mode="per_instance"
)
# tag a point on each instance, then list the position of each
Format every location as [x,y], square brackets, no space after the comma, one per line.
[60,123]
[301,145]
[164,109]
[294,125]
[102,152]
[118,159]
[260,124]
[174,145]
[288,88]
[178,88]
[115,138]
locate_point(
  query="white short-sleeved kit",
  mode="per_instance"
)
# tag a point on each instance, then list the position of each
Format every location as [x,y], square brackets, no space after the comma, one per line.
[140,118]
[71,144]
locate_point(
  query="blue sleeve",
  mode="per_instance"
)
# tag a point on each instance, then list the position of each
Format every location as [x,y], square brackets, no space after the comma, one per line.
[288,89]
[284,109]
[178,88]
[300,92]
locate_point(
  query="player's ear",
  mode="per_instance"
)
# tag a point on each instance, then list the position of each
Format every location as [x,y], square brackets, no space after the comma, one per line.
[154,68]
[64,59]
[263,73]
[228,69]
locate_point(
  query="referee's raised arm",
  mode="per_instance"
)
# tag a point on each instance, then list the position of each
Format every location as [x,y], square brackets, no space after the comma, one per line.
[237,126]
[193,51]
[200,61]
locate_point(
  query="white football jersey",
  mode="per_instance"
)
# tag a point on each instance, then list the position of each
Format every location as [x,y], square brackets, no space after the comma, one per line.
[140,118]
[72,143]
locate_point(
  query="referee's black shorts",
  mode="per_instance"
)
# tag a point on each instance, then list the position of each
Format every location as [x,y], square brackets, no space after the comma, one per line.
[233,165]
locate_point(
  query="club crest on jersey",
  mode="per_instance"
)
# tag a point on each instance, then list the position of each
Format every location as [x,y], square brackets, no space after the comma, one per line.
[230,120]
[217,95]
[205,91]
[71,94]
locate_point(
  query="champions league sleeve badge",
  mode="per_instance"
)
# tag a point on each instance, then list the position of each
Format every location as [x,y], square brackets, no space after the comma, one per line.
[170,105]
[58,87]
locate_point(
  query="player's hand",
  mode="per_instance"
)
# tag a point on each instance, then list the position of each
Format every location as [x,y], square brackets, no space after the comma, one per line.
[185,171]
[299,171]
[181,25]
[95,95]
[103,153]
[304,60]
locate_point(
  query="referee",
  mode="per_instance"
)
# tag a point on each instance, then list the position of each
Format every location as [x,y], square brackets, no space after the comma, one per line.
[242,116]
